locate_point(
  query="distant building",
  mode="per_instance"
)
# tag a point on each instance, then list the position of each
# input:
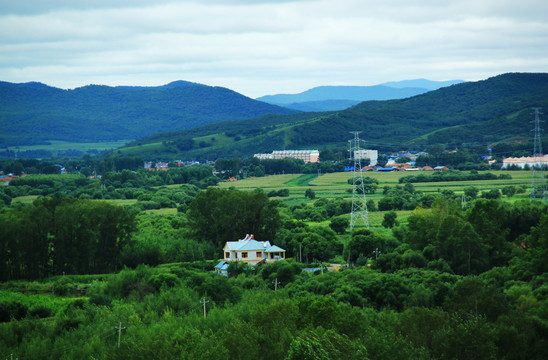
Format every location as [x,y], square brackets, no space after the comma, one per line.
[525,160]
[372,155]
[304,155]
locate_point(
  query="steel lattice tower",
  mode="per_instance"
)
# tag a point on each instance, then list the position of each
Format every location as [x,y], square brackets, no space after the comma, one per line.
[538,181]
[359,205]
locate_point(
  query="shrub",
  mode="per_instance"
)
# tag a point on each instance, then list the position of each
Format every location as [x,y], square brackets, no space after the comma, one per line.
[41,312]
[62,286]
[12,310]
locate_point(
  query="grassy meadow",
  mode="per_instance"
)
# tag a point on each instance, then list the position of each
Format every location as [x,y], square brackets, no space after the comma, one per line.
[56,146]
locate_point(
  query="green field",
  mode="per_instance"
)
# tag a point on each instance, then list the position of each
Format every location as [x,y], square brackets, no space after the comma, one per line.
[335,186]
[55,146]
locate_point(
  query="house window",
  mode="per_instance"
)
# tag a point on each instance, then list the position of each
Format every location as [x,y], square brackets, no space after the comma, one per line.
[227,255]
[259,254]
[244,255]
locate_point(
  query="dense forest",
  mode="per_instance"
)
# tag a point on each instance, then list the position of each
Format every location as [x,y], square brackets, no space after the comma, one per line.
[89,278]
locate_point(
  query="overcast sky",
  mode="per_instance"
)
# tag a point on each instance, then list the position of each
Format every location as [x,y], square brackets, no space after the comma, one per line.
[267,47]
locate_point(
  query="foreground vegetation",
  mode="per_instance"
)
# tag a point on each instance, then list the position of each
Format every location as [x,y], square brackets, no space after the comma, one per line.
[448,270]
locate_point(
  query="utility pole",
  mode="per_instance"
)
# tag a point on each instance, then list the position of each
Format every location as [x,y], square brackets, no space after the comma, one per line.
[275,282]
[120,328]
[359,204]
[377,252]
[538,180]
[204,302]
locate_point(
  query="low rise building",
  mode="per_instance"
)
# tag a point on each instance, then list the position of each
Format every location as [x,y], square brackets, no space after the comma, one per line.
[304,155]
[252,251]
[521,162]
[372,155]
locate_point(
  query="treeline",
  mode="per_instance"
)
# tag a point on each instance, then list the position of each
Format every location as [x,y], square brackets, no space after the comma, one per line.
[86,165]
[144,186]
[452,175]
[255,167]
[56,236]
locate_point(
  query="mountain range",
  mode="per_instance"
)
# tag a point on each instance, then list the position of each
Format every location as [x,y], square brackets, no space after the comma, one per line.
[34,113]
[327,98]
[468,114]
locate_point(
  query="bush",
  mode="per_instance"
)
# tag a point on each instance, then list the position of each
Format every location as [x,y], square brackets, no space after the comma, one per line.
[339,224]
[12,310]
[62,287]
[41,312]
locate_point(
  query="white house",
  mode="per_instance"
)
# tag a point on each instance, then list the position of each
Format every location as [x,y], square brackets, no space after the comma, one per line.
[252,251]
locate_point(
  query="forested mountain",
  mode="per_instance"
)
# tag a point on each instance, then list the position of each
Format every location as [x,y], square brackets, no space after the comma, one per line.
[468,114]
[328,98]
[34,113]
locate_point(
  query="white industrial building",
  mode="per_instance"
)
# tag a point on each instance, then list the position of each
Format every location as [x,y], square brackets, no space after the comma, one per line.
[372,155]
[530,161]
[304,155]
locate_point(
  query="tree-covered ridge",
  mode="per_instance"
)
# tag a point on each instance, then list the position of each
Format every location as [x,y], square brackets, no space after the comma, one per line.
[462,115]
[31,115]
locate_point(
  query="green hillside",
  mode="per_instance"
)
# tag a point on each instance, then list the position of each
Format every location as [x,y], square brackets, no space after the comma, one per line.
[35,113]
[468,114]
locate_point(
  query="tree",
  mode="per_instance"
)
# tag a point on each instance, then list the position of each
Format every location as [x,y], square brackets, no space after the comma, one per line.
[218,216]
[491,194]
[471,192]
[390,219]
[460,246]
[309,193]
[509,191]
[339,224]
[436,151]
[489,220]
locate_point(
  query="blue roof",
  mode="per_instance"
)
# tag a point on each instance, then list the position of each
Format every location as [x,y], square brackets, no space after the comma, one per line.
[247,245]
[222,265]
[274,248]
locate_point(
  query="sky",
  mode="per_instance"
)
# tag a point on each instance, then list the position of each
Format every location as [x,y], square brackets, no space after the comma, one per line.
[265,47]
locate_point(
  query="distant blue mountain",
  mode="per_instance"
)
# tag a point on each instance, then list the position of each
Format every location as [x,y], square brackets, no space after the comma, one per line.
[422,83]
[324,105]
[330,98]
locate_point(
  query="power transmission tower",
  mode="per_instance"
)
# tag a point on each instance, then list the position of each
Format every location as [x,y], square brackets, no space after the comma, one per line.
[538,180]
[359,205]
